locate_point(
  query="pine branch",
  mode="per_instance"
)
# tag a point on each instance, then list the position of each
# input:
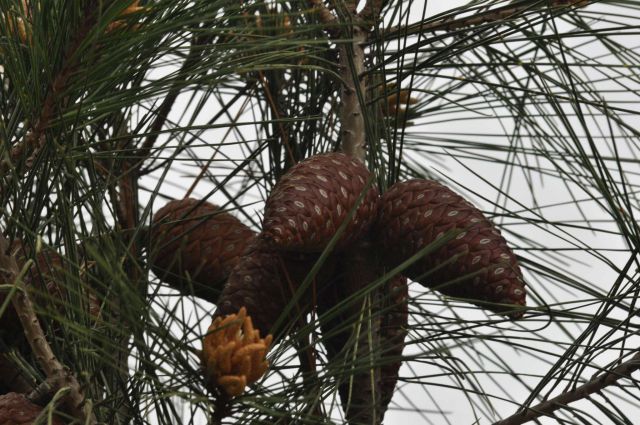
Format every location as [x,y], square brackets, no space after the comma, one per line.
[498,14]
[58,375]
[371,10]
[352,94]
[595,385]
[326,17]
[35,138]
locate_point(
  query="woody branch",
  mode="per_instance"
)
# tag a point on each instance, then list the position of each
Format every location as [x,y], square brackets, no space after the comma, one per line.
[595,385]
[57,374]
[496,15]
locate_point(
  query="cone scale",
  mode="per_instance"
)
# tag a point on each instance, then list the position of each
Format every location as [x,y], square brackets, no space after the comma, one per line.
[196,244]
[475,263]
[16,409]
[313,199]
[347,330]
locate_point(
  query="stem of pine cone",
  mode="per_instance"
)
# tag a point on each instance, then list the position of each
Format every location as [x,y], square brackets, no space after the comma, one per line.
[128,220]
[222,408]
[365,388]
[595,385]
[56,372]
[307,358]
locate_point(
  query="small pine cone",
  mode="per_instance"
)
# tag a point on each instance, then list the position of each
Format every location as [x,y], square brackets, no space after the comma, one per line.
[313,199]
[16,409]
[195,241]
[46,278]
[356,270]
[41,280]
[475,264]
[45,283]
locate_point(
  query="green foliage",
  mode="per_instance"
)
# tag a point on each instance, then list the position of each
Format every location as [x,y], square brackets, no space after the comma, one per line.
[532,115]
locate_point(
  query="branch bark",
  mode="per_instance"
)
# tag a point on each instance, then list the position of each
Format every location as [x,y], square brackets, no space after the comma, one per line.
[326,17]
[352,95]
[55,371]
[546,408]
[351,69]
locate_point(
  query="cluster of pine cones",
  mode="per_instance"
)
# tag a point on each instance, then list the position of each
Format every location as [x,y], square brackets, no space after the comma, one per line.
[419,229]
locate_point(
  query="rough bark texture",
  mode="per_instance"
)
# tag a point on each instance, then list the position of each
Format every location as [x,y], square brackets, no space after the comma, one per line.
[476,263]
[353,89]
[56,372]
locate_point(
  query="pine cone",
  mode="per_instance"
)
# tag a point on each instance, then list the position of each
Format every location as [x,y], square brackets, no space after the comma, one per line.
[393,331]
[258,290]
[195,240]
[312,200]
[44,282]
[476,264]
[357,270]
[264,281]
[16,409]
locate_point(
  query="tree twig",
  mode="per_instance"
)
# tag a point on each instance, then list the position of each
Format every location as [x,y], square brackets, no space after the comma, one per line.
[35,139]
[371,10]
[493,15]
[55,371]
[546,408]
[352,93]
[326,17]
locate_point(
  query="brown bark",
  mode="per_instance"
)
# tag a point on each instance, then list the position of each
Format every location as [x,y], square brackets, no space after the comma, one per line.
[56,372]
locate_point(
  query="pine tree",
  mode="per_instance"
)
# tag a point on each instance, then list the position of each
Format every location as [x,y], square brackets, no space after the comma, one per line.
[272,288]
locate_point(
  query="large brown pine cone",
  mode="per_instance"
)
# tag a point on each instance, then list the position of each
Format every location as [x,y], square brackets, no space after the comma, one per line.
[16,409]
[475,263]
[194,243]
[313,199]
[264,281]
[340,333]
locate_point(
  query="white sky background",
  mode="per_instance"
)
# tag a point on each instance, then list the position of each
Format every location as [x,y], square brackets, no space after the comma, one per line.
[432,393]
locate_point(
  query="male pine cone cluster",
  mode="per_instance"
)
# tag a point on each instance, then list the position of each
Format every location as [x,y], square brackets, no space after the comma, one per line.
[331,199]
